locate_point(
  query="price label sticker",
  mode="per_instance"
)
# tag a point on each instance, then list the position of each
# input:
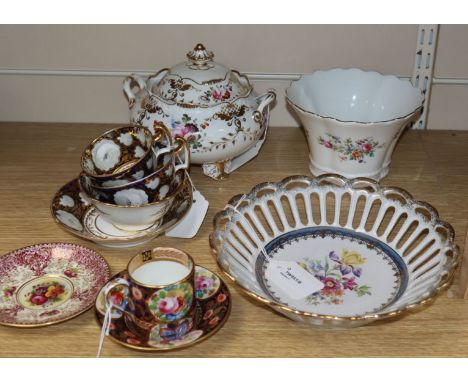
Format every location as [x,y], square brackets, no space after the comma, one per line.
[292,279]
[190,223]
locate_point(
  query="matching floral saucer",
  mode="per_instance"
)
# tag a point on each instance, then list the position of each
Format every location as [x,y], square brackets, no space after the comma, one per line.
[49,283]
[72,212]
[213,305]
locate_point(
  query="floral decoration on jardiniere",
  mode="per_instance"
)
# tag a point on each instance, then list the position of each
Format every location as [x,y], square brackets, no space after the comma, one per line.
[339,275]
[349,150]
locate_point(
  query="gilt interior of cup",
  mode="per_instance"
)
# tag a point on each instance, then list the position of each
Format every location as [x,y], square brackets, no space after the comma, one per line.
[127,159]
[84,187]
[354,95]
[160,259]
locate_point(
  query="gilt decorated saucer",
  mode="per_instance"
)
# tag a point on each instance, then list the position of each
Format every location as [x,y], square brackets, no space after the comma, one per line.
[45,284]
[72,212]
[212,308]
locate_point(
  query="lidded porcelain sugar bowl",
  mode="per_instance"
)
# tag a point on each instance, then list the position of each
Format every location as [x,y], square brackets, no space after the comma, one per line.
[214,108]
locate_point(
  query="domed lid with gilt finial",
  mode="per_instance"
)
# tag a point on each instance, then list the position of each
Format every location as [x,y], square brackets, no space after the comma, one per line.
[200,81]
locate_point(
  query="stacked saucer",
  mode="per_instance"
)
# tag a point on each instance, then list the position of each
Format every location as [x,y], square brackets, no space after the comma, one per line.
[133,187]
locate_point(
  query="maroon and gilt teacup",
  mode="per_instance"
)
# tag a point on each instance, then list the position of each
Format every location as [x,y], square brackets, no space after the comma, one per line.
[152,188]
[159,290]
[125,154]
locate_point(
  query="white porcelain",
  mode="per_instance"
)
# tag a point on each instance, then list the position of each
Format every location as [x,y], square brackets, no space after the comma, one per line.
[213,107]
[353,119]
[375,251]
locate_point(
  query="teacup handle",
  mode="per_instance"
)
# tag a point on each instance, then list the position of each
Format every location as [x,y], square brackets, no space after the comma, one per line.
[109,288]
[182,153]
[162,132]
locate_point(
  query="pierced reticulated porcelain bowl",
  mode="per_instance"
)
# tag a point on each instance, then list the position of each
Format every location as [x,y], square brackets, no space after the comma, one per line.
[353,118]
[376,252]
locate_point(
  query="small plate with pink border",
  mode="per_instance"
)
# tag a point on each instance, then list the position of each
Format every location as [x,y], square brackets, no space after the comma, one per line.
[45,284]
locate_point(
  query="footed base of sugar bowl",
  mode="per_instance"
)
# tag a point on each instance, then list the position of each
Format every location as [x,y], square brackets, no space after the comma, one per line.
[217,170]
[381,173]
[220,170]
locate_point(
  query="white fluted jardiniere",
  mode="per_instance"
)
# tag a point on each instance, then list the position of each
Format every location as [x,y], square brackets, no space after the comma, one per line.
[353,119]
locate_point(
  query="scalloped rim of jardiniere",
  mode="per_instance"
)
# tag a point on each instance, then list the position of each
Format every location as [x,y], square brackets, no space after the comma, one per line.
[125,169]
[442,285]
[165,200]
[288,99]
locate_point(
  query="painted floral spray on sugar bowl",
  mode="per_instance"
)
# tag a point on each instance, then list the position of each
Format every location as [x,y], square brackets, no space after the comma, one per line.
[214,108]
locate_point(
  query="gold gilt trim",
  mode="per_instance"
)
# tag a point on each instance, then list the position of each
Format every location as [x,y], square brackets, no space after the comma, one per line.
[341,121]
[199,53]
[190,266]
[201,106]
[87,151]
[207,82]
[443,284]
[288,99]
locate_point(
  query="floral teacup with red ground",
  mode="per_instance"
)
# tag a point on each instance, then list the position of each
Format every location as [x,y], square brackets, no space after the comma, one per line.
[158,290]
